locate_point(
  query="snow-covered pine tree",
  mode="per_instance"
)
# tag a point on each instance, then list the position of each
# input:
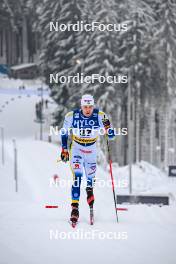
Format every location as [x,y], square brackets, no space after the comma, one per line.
[13,21]
[101,56]
[34,37]
[82,42]
[138,43]
[165,47]
[59,49]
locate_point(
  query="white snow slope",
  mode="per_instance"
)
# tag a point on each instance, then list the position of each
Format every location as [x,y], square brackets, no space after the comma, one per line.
[30,233]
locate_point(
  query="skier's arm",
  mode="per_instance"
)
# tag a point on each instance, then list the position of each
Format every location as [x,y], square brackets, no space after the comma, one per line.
[65,129]
[105,123]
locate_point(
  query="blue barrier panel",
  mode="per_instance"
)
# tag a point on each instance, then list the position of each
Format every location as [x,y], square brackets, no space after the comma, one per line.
[172,171]
[143,199]
[4,69]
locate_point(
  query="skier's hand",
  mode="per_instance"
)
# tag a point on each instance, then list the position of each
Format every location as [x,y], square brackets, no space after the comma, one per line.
[64,155]
[106,123]
[109,131]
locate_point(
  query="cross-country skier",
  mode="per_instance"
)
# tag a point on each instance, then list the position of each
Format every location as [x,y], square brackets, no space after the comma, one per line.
[84,125]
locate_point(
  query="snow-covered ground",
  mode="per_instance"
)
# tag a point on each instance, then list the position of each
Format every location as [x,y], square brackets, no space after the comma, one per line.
[30,233]
[17,107]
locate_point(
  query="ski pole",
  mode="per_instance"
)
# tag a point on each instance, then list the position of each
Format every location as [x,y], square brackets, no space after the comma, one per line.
[112,178]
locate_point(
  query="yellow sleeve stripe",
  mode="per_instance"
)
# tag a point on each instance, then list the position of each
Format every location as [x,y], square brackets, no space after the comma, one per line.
[69,114]
[101,113]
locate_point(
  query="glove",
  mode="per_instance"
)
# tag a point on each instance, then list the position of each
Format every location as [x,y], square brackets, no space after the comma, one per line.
[109,130]
[106,123]
[64,155]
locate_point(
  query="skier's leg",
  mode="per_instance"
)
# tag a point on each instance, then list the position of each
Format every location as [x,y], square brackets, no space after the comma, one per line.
[90,170]
[77,170]
[76,162]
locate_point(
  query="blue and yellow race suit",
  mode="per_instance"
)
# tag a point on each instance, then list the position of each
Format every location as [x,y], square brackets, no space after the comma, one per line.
[83,152]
